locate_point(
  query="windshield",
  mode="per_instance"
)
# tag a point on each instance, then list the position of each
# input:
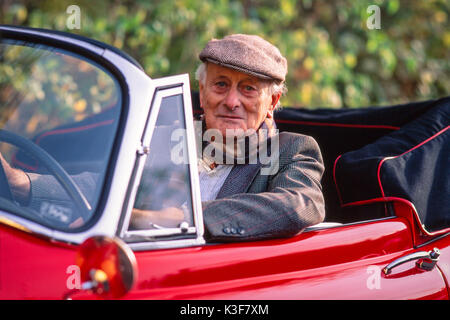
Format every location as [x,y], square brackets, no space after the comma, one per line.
[58,119]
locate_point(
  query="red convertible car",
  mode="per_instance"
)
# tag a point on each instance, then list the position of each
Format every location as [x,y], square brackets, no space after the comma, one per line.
[71,105]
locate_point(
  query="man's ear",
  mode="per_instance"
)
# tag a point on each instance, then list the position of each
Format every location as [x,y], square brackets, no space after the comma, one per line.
[275,99]
[200,93]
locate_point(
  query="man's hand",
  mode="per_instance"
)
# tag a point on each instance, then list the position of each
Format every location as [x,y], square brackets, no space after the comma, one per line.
[18,181]
[168,217]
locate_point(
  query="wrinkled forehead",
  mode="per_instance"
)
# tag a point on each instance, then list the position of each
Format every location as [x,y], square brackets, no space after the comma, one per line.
[215,71]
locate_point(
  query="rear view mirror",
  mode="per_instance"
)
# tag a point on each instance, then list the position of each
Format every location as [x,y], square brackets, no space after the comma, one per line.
[107,267]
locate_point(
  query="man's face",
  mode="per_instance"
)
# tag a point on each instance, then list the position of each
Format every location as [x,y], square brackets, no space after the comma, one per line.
[234,100]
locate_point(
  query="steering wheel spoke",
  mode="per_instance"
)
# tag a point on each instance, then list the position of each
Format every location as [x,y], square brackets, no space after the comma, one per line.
[54,168]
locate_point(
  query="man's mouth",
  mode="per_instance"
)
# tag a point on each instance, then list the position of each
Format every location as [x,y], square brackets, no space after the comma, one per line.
[233,117]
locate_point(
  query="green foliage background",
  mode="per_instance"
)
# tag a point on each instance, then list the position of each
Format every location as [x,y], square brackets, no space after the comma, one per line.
[334,59]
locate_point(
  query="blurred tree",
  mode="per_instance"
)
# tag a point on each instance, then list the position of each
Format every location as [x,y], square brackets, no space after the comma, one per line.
[335,60]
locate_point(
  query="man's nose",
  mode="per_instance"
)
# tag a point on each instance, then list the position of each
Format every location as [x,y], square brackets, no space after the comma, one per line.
[232,100]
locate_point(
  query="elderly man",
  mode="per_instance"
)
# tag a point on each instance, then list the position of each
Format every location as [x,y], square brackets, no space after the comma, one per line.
[241,80]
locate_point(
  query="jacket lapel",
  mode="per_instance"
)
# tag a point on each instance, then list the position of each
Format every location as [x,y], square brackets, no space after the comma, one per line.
[239,180]
[241,176]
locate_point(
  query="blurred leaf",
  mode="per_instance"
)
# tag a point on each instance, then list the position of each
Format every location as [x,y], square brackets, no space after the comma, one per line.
[333,57]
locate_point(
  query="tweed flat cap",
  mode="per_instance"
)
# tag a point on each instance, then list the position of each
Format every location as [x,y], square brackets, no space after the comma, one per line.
[248,54]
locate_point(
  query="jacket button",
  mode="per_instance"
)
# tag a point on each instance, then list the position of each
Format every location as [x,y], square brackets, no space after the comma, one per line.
[241,231]
[226,230]
[233,230]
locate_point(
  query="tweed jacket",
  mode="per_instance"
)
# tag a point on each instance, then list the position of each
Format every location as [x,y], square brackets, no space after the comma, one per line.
[252,206]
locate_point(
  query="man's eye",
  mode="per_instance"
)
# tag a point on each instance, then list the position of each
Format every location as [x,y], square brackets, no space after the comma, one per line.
[221,84]
[249,88]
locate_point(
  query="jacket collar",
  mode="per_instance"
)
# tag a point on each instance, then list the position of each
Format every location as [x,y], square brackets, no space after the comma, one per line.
[242,175]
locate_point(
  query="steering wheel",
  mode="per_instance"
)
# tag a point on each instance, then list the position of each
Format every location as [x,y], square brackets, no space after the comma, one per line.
[53,167]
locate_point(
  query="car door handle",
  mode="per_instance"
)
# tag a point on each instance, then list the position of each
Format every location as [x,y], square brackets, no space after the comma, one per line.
[425,260]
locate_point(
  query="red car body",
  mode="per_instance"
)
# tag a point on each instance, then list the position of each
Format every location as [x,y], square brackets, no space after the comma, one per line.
[335,263]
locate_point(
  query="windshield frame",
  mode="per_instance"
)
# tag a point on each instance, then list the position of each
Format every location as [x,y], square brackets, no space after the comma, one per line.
[122,72]
[27,212]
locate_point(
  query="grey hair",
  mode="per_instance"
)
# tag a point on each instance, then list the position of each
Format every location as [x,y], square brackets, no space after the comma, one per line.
[276,87]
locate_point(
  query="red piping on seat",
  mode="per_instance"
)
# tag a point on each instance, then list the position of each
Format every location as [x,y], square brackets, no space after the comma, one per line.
[75,129]
[60,131]
[380,164]
[404,201]
[383,199]
[330,124]
[413,148]
[24,165]
[334,178]
[393,199]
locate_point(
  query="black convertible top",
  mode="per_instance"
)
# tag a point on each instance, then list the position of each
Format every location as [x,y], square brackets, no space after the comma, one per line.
[379,154]
[411,163]
[382,154]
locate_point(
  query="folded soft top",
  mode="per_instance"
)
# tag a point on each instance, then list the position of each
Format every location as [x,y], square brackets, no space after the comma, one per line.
[411,163]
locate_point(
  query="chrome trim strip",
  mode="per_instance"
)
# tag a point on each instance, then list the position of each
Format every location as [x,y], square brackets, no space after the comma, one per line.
[13,224]
[192,158]
[159,232]
[166,244]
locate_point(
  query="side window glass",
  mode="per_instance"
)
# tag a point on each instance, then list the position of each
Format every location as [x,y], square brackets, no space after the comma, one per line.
[163,200]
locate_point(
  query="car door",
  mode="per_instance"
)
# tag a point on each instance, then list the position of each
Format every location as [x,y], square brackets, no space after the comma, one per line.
[344,262]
